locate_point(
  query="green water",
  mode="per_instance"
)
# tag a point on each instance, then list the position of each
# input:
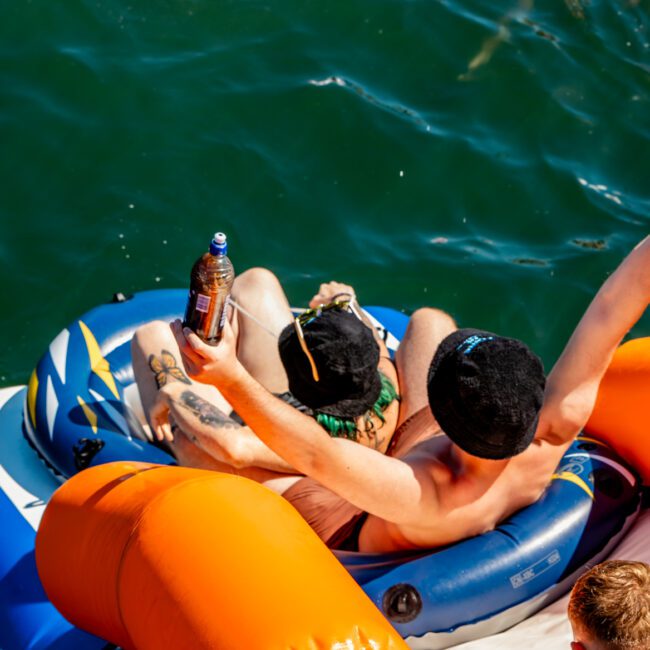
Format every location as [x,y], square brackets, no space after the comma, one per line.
[489,158]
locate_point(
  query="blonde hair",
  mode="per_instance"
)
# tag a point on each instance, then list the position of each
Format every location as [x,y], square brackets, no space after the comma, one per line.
[611,603]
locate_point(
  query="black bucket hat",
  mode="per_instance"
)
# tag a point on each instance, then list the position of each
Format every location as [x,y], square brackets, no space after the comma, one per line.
[486,392]
[346,355]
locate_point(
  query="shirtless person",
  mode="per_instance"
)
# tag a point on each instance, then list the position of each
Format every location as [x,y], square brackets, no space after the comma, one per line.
[440,489]
[355,396]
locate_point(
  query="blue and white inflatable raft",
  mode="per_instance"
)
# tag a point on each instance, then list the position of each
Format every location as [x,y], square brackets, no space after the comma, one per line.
[81,409]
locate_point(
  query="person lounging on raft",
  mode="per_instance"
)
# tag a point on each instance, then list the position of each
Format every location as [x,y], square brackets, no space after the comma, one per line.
[347,383]
[505,426]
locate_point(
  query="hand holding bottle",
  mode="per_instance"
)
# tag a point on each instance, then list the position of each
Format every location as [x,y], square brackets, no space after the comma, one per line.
[209,364]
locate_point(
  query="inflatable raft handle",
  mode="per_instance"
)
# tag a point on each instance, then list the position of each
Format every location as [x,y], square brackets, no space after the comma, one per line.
[150,556]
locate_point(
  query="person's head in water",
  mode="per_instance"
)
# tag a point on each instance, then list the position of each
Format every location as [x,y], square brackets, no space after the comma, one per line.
[331,358]
[486,392]
[609,607]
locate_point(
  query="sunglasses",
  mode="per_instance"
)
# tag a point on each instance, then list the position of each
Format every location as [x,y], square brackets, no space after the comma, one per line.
[309,315]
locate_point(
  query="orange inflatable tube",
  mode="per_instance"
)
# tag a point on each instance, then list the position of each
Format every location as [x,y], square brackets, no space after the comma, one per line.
[151,557]
[621,417]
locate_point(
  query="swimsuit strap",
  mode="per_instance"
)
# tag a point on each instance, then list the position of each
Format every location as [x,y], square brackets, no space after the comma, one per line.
[410,429]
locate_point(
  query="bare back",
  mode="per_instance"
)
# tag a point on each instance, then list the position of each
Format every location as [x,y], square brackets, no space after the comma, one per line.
[473,497]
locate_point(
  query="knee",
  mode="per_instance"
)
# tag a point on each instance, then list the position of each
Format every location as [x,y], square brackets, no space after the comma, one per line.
[256,279]
[154,330]
[258,289]
[430,319]
[426,328]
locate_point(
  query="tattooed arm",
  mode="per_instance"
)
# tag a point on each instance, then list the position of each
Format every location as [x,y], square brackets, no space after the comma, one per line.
[211,429]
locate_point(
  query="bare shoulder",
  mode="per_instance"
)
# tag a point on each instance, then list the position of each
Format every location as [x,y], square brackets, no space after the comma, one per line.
[432,460]
[387,367]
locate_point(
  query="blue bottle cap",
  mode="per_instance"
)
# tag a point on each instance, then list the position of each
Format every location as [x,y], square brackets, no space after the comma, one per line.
[218,245]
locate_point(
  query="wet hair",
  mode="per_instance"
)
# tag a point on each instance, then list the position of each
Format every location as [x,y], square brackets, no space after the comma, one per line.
[611,604]
[339,427]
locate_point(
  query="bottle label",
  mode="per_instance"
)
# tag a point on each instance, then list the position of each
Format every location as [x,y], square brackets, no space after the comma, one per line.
[222,320]
[202,303]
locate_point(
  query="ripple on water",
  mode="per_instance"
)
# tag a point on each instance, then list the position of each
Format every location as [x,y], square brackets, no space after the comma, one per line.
[485,155]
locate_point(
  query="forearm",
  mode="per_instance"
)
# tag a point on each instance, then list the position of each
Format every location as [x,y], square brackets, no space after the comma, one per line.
[618,305]
[220,436]
[345,467]
[383,486]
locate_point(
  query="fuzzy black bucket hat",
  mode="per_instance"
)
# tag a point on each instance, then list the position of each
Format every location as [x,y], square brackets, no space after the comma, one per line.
[486,392]
[346,356]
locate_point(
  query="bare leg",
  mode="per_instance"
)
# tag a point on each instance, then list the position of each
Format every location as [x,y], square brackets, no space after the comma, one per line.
[157,360]
[426,329]
[259,292]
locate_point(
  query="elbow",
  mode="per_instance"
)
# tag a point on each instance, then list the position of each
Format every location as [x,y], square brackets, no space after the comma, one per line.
[235,453]
[317,463]
[241,458]
[566,412]
[569,421]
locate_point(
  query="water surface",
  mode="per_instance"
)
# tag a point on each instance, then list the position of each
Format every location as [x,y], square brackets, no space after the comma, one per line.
[488,158]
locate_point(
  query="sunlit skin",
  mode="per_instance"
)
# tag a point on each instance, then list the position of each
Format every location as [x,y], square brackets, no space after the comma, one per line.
[197,426]
[422,499]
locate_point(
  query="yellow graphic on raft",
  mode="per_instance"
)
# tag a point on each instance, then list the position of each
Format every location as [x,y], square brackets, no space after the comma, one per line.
[99,365]
[32,391]
[573,478]
[90,414]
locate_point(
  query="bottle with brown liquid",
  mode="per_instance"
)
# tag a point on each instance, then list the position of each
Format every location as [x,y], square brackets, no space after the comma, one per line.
[210,284]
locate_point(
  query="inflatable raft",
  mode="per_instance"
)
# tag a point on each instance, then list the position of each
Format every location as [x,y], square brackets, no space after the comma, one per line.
[81,411]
